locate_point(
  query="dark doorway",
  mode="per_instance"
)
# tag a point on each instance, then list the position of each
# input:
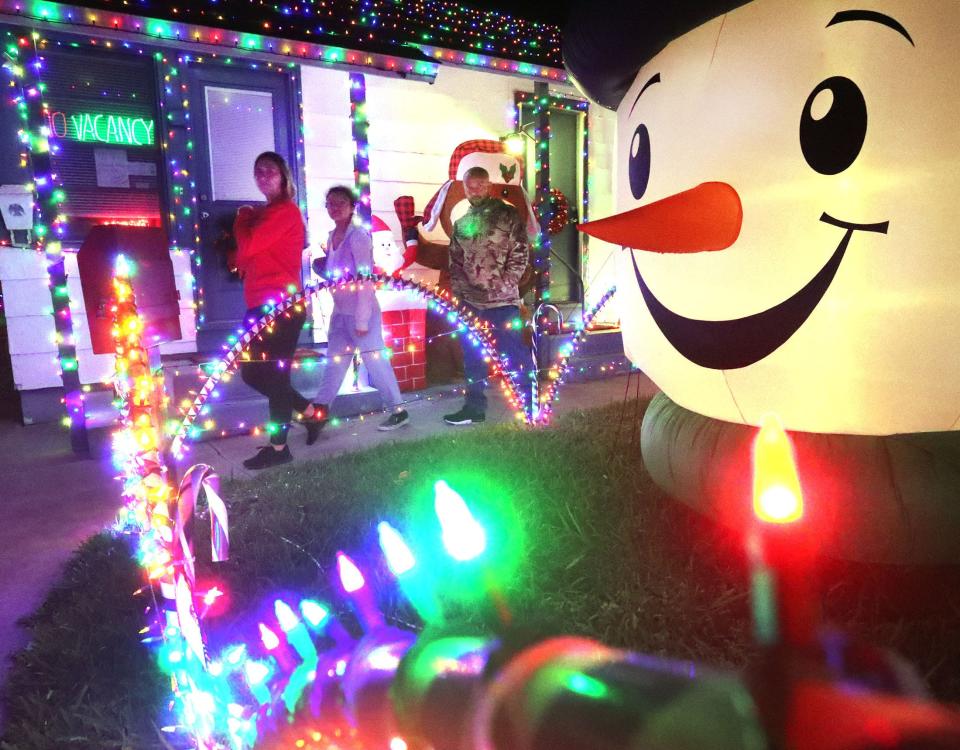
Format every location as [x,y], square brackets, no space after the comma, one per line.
[238,114]
[566,175]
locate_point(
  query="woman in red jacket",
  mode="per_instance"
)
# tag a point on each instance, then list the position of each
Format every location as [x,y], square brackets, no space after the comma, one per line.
[270,240]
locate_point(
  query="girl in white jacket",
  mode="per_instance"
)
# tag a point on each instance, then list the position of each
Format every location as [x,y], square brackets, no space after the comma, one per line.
[355,323]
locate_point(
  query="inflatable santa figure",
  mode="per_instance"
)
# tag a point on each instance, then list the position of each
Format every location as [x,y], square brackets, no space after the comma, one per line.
[387,255]
[427,238]
[787,182]
[403,312]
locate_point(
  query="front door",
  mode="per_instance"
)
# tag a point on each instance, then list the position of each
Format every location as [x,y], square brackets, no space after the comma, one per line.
[238,114]
[566,175]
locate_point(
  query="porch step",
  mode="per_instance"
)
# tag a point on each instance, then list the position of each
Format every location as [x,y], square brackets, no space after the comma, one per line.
[607,341]
[600,355]
[235,408]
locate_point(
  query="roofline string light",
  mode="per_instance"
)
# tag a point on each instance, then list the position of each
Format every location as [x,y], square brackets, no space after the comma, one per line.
[186,35]
[424,34]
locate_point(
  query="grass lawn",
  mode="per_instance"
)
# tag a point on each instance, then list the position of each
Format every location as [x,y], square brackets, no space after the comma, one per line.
[588,545]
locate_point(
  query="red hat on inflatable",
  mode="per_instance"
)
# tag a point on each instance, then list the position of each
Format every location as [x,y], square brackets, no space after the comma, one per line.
[503,168]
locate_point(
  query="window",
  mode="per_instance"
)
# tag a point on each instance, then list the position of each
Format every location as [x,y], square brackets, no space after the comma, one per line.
[239,127]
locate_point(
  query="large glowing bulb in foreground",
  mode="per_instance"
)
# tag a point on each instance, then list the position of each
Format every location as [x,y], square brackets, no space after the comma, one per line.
[777,497]
[463,537]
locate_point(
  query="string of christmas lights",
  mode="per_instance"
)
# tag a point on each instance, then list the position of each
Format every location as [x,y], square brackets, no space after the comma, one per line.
[49,223]
[538,411]
[251,688]
[380,26]
[569,105]
[163,26]
[217,429]
[152,510]
[407,39]
[541,200]
[442,301]
[177,143]
[359,125]
[567,351]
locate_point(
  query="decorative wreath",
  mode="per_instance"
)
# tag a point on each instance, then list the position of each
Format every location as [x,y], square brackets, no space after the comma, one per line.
[560,211]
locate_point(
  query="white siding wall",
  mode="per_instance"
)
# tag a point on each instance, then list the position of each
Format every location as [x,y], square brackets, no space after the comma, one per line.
[27,305]
[414,128]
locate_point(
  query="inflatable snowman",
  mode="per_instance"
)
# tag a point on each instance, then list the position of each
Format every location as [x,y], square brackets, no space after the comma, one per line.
[787,182]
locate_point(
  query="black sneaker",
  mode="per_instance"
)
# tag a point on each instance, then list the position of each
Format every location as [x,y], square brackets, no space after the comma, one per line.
[395,421]
[465,416]
[269,456]
[316,423]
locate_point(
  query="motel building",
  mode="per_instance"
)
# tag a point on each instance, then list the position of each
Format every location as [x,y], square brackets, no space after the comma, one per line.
[154,123]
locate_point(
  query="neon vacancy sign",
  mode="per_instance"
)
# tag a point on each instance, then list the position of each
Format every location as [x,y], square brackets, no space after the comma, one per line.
[103,127]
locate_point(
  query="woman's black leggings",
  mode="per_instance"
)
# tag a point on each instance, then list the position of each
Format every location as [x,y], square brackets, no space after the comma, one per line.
[263,374]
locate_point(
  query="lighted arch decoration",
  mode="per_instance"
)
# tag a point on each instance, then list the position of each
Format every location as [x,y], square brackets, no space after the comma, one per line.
[538,413]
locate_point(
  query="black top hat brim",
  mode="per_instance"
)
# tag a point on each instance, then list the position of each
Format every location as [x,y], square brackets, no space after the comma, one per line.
[606,43]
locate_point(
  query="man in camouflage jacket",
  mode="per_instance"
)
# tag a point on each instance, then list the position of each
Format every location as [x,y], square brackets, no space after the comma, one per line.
[489,253]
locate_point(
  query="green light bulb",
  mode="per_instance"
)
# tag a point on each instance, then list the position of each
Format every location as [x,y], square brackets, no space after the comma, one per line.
[463,538]
[400,559]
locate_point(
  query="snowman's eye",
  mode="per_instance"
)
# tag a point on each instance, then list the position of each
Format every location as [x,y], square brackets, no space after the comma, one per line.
[639,164]
[833,125]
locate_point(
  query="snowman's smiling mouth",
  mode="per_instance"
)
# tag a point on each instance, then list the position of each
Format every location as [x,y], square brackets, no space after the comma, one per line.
[731,344]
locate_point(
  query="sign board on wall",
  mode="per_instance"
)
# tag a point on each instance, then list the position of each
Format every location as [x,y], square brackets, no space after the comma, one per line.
[103,127]
[103,111]
[115,170]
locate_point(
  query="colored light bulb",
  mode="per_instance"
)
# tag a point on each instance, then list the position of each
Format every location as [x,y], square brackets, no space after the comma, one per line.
[350,576]
[777,497]
[269,638]
[285,616]
[463,537]
[400,559]
[255,672]
[314,613]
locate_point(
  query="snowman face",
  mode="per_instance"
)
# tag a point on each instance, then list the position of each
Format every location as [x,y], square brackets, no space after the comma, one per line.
[837,305]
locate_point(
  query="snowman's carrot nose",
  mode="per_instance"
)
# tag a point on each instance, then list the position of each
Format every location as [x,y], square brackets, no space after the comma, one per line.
[707,217]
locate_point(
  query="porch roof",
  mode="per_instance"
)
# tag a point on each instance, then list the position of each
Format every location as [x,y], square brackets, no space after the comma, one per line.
[401,37]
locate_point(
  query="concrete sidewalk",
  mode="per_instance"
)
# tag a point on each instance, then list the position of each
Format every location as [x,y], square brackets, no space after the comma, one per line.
[52,501]
[426,410]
